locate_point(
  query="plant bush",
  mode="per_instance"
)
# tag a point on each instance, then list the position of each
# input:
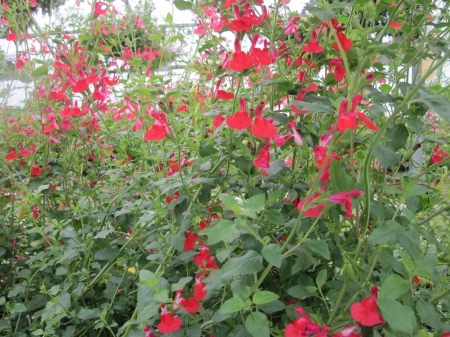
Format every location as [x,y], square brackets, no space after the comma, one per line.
[272,188]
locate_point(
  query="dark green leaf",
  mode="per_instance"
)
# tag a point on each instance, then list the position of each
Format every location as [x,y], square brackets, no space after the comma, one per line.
[257,324]
[312,107]
[320,247]
[207,150]
[323,15]
[231,305]
[230,202]
[254,205]
[388,234]
[302,292]
[40,71]
[394,287]
[321,278]
[223,230]
[340,180]
[386,156]
[399,317]
[182,5]
[108,254]
[428,314]
[263,297]
[249,263]
[426,266]
[399,136]
[274,217]
[272,307]
[272,254]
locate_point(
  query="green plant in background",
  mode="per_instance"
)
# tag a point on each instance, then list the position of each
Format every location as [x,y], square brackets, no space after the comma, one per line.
[264,191]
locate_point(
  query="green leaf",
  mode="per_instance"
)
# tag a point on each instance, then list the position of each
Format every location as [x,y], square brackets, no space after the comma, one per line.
[399,136]
[388,234]
[428,314]
[399,317]
[407,261]
[386,156]
[254,205]
[206,150]
[169,18]
[270,308]
[257,324]
[437,103]
[161,295]
[240,289]
[249,263]
[40,71]
[231,305]
[223,230]
[230,203]
[18,307]
[302,292]
[182,5]
[222,254]
[321,278]
[312,107]
[323,15]
[263,297]
[180,284]
[274,217]
[194,331]
[426,266]
[272,254]
[340,180]
[394,287]
[320,247]
[108,254]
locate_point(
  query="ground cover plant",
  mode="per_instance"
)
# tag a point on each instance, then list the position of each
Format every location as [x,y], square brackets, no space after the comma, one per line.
[291,181]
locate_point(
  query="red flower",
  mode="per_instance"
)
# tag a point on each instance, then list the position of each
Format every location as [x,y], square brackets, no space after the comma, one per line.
[12,35]
[344,198]
[297,137]
[346,120]
[35,170]
[189,241]
[160,128]
[262,127]
[80,86]
[241,60]
[190,305]
[221,93]
[199,293]
[11,155]
[229,3]
[303,326]
[416,279]
[218,120]
[184,107]
[35,212]
[367,121]
[395,25]
[346,43]
[312,211]
[438,155]
[263,160]
[240,120]
[168,322]
[175,196]
[366,311]
[204,259]
[313,47]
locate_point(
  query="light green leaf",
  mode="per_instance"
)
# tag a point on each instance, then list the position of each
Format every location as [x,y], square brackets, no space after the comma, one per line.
[426,266]
[40,71]
[320,247]
[180,284]
[254,205]
[323,15]
[388,234]
[182,5]
[263,297]
[249,263]
[272,254]
[231,305]
[223,230]
[321,278]
[428,314]
[399,317]
[169,18]
[230,203]
[257,324]
[18,307]
[394,287]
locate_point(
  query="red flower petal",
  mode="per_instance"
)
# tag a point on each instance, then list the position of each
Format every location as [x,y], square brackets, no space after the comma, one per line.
[218,120]
[157,132]
[169,323]
[191,304]
[239,121]
[263,129]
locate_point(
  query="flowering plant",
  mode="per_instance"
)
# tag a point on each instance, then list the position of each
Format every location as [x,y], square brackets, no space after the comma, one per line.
[288,183]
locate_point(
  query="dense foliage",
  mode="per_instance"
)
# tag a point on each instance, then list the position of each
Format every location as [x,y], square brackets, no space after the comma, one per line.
[290,183]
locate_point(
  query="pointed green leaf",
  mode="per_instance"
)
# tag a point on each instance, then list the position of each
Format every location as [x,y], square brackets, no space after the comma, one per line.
[257,324]
[249,263]
[399,317]
[223,230]
[394,287]
[231,305]
[272,254]
[263,297]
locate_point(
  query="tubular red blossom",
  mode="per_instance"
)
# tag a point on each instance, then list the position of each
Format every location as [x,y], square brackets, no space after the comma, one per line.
[168,322]
[395,25]
[263,160]
[218,120]
[190,304]
[313,46]
[346,43]
[12,36]
[262,127]
[221,94]
[240,120]
[189,241]
[366,311]
[438,155]
[36,212]
[297,137]
[303,326]
[241,60]
[184,107]
[346,120]
[325,176]
[199,292]
[160,128]
[11,155]
[205,260]
[344,198]
[312,211]
[139,23]
[292,28]
[35,170]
